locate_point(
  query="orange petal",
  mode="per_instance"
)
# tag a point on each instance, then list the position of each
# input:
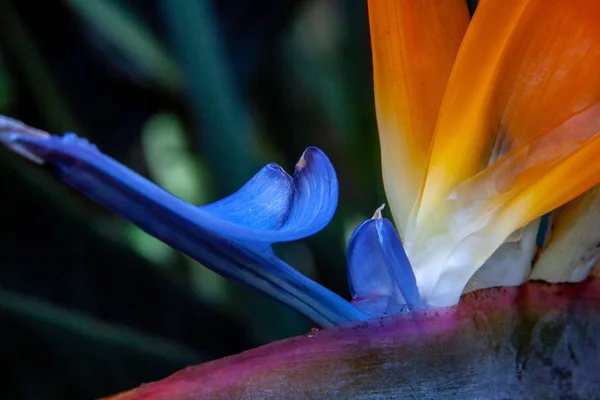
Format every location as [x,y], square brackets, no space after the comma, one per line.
[414,44]
[534,179]
[525,67]
[541,161]
[574,175]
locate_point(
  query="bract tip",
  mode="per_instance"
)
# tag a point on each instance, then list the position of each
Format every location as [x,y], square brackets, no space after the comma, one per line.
[377,214]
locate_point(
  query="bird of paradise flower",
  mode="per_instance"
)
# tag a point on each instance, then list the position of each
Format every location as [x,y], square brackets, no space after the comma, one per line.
[486,126]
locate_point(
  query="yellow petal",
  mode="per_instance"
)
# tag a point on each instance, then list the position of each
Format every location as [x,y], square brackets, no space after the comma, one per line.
[596,270]
[414,44]
[574,246]
[525,67]
[510,264]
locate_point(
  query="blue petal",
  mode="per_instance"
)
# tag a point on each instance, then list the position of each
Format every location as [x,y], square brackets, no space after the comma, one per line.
[315,198]
[380,276]
[275,216]
[231,236]
[370,282]
[263,203]
[282,208]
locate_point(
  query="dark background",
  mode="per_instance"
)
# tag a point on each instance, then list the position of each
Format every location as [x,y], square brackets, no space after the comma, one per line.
[196,95]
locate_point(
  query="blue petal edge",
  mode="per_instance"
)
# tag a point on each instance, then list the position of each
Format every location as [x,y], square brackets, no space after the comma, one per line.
[231,236]
[381,279]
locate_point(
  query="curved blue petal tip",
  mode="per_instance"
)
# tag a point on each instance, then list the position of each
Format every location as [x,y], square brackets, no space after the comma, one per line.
[315,198]
[278,207]
[381,279]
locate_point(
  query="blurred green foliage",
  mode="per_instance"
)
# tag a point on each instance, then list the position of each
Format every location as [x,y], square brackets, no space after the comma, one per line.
[196,95]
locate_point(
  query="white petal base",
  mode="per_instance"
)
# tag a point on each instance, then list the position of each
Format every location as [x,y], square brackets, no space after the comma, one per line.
[510,264]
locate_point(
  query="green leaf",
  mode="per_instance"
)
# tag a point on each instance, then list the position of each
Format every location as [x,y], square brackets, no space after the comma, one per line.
[131,37]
